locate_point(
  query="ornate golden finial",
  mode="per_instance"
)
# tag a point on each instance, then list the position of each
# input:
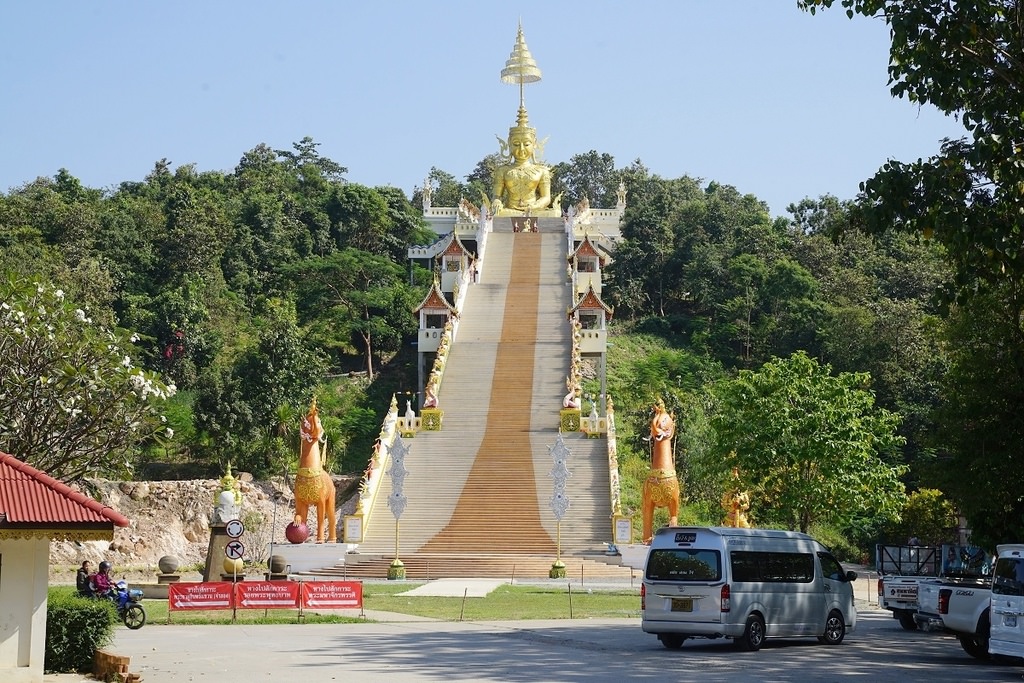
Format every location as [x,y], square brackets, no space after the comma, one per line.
[521,68]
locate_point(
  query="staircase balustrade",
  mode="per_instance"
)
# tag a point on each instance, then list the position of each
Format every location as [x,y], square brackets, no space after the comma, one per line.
[374,474]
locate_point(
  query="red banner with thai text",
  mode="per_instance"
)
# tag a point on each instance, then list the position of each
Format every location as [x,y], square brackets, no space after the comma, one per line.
[266,595]
[332,594]
[206,595]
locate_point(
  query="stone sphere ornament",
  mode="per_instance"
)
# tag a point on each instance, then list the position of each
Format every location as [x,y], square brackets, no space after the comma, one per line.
[234,566]
[168,564]
[296,532]
[277,564]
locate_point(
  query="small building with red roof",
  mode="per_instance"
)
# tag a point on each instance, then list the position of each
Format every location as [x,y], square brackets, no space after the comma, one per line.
[35,509]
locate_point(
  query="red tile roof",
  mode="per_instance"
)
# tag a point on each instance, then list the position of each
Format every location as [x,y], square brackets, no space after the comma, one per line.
[435,301]
[591,300]
[30,498]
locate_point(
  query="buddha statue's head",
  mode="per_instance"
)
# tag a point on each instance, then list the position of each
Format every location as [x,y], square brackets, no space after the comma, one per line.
[521,142]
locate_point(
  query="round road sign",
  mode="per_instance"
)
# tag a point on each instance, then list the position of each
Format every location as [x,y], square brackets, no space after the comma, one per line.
[234,550]
[234,528]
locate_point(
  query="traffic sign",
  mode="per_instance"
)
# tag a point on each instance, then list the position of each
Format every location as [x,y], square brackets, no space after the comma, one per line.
[234,550]
[234,528]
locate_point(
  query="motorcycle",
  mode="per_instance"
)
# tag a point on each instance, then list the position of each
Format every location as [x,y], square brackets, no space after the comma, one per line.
[128,603]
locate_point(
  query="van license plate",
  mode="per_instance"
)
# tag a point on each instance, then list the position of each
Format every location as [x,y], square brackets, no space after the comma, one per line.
[1008,619]
[682,604]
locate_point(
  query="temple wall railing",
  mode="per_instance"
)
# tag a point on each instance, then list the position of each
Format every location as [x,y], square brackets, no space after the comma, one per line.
[373,476]
[614,487]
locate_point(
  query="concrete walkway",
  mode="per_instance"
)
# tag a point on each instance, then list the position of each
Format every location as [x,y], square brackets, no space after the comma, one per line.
[456,588]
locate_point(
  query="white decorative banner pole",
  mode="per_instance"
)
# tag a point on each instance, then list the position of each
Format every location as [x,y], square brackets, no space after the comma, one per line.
[397,499]
[559,500]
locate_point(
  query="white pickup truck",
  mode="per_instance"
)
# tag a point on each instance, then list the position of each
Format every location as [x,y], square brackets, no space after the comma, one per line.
[903,568]
[959,602]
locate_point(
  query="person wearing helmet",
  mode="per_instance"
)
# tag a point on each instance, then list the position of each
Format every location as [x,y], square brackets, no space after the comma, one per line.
[100,582]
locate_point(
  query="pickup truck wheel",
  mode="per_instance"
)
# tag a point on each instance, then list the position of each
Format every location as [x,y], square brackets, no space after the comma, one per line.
[753,635]
[673,641]
[975,646]
[907,621]
[835,629]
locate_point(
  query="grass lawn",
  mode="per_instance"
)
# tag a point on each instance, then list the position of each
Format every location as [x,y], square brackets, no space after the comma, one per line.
[504,603]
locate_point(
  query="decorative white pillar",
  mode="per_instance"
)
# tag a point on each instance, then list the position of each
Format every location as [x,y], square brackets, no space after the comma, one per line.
[559,500]
[397,499]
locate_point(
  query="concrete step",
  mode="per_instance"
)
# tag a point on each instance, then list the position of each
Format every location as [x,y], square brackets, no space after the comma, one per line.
[427,566]
[481,484]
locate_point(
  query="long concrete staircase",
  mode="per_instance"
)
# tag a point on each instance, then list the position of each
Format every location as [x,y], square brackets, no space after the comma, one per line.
[479,490]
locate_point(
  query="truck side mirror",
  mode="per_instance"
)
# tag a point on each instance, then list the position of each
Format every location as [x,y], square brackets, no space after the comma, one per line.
[851,576]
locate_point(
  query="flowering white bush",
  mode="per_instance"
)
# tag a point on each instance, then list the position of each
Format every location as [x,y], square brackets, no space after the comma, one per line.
[72,401]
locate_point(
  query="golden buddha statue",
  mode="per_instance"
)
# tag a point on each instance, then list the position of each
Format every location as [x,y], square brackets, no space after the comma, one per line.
[522,187]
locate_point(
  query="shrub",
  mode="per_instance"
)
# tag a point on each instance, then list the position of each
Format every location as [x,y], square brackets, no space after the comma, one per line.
[928,516]
[837,542]
[75,628]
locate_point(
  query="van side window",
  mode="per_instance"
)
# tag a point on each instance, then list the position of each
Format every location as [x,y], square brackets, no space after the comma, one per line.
[670,564]
[772,567]
[1008,578]
[830,567]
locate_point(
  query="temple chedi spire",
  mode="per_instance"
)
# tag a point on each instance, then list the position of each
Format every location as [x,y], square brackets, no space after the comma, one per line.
[521,68]
[522,186]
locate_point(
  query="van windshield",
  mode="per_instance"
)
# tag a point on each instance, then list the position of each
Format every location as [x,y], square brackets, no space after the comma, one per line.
[672,564]
[1009,576]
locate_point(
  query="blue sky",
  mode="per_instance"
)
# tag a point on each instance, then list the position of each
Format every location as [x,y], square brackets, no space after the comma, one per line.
[751,93]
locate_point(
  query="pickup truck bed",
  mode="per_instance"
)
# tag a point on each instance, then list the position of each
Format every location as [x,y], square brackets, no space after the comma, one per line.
[900,595]
[910,571]
[962,607]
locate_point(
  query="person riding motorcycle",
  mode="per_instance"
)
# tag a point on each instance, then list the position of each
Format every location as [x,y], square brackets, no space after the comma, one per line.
[100,582]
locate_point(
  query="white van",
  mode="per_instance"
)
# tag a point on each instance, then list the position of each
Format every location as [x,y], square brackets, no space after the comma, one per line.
[745,584]
[1006,628]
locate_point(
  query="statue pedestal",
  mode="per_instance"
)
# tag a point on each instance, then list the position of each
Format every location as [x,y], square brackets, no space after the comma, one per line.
[305,557]
[168,578]
[215,552]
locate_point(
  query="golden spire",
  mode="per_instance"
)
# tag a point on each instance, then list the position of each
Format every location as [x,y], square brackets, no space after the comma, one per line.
[520,68]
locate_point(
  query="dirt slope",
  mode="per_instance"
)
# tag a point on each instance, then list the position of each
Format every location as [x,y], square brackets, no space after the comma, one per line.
[173,517]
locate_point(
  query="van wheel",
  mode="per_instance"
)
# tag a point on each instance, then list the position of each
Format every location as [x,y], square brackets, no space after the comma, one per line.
[673,641]
[907,621]
[835,629]
[753,635]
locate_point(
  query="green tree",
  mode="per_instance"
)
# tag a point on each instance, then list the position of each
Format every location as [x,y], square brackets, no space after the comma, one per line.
[360,218]
[641,278]
[355,299]
[979,431]
[480,181]
[928,516]
[964,58]
[811,446]
[445,190]
[591,175]
[307,163]
[73,402]
[407,225]
[240,408]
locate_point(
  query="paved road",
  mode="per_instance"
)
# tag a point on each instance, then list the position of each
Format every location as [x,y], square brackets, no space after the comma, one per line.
[598,651]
